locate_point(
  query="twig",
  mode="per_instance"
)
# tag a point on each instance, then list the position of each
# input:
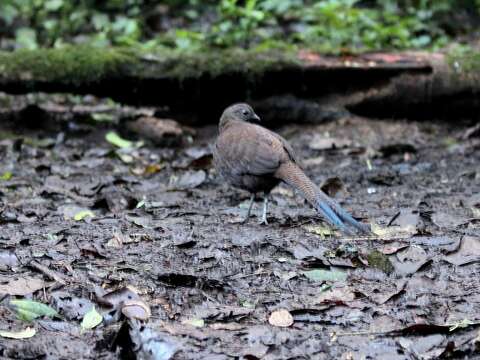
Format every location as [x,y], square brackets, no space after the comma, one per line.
[242,276]
[463,324]
[49,273]
[376,238]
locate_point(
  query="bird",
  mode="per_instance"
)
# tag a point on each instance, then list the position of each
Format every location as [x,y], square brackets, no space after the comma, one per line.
[253,158]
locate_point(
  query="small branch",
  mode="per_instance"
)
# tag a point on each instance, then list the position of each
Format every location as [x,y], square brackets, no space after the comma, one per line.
[49,273]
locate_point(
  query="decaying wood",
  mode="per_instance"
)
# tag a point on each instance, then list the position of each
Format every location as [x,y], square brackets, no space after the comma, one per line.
[313,89]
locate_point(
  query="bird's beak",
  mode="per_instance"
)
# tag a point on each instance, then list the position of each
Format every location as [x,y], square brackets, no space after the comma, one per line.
[255,118]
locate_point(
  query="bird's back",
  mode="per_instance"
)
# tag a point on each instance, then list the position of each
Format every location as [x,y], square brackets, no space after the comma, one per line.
[248,155]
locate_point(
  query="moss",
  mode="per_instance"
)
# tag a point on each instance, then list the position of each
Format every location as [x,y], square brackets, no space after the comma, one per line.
[81,64]
[380,261]
[214,63]
[71,64]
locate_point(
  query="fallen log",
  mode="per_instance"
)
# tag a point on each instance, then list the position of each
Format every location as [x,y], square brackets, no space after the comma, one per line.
[296,86]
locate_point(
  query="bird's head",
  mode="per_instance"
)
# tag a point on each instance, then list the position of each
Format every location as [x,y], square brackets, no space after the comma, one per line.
[239,112]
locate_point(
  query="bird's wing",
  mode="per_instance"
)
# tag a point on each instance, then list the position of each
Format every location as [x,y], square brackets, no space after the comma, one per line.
[289,150]
[251,150]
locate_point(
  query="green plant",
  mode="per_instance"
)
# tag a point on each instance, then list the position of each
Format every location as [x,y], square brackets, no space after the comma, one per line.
[236,23]
[327,25]
[56,22]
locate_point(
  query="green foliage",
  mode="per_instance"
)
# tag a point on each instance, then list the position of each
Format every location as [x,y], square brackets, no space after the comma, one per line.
[71,64]
[56,22]
[327,25]
[464,59]
[236,22]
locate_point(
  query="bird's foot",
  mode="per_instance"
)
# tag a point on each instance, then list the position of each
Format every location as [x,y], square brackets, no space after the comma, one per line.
[244,220]
[263,220]
[247,215]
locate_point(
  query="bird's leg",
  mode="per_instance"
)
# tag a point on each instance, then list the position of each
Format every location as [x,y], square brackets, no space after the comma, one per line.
[250,205]
[265,210]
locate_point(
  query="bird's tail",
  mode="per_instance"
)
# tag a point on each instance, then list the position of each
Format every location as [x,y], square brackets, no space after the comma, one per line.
[335,215]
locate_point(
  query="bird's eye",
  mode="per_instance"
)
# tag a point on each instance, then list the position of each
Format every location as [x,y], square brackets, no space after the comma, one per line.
[245,112]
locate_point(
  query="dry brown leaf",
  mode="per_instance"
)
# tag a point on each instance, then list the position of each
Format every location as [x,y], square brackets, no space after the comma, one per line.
[22,286]
[323,143]
[468,252]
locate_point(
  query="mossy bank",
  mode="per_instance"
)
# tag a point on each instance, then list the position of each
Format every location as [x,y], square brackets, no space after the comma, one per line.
[81,64]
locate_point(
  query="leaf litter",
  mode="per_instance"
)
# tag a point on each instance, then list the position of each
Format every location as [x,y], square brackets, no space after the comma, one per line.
[188,262]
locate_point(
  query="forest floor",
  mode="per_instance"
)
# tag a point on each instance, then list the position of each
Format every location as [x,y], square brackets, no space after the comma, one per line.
[167,227]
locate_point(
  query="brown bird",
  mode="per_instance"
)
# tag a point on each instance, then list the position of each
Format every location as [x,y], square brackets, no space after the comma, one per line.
[253,158]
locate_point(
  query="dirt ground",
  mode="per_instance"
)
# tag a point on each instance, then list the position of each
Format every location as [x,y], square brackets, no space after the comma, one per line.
[166,225]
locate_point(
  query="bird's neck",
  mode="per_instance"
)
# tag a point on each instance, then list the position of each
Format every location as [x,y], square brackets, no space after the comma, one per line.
[227,122]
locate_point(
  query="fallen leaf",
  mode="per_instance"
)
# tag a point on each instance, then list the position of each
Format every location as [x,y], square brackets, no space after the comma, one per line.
[285,276]
[153,169]
[247,304]
[69,211]
[91,319]
[307,253]
[410,260]
[392,248]
[334,295]
[324,143]
[467,253]
[117,240]
[8,260]
[325,275]
[127,159]
[103,117]
[189,180]
[381,292]
[114,139]
[7,175]
[446,220]
[194,322]
[165,132]
[227,326]
[29,310]
[475,212]
[281,318]
[22,286]
[320,230]
[407,226]
[384,323]
[23,334]
[81,215]
[140,204]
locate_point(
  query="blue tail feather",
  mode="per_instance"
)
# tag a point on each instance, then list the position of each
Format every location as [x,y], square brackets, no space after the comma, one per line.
[339,217]
[331,216]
